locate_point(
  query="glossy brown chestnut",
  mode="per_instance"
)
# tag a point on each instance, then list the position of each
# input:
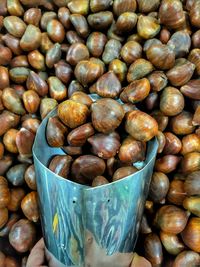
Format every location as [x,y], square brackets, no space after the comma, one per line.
[53,55]
[72,114]
[123,172]
[30,177]
[191,234]
[192,204]
[176,193]
[121,6]
[173,144]
[16,196]
[24,141]
[131,51]
[78,136]
[126,22]
[22,235]
[47,105]
[107,114]
[8,120]
[5,55]
[31,39]
[36,60]
[87,72]
[76,53]
[81,97]
[4,78]
[63,15]
[153,249]
[132,150]
[158,80]
[187,258]
[63,71]
[195,14]
[34,82]
[171,14]
[30,207]
[191,184]
[140,125]
[136,91]
[190,143]
[107,85]
[171,219]
[161,56]
[159,187]
[101,20]
[119,68]
[139,69]
[182,123]
[55,31]
[190,162]
[9,140]
[196,39]
[14,25]
[56,132]
[33,16]
[31,101]
[105,145]
[171,243]
[167,164]
[99,180]
[111,51]
[57,89]
[147,27]
[86,168]
[191,89]
[60,165]
[79,6]
[181,73]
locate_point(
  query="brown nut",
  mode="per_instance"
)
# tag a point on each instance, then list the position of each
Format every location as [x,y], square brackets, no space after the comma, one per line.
[158,80]
[171,219]
[99,180]
[140,125]
[182,123]
[33,16]
[132,150]
[56,132]
[31,39]
[111,51]
[81,97]
[171,101]
[57,89]
[76,53]
[9,140]
[131,51]
[14,25]
[159,187]
[36,60]
[31,101]
[72,114]
[36,83]
[107,85]
[107,114]
[123,172]
[79,135]
[30,207]
[119,68]
[176,193]
[30,177]
[167,164]
[136,91]
[173,144]
[191,90]
[60,165]
[86,168]
[105,145]
[139,69]
[161,56]
[181,73]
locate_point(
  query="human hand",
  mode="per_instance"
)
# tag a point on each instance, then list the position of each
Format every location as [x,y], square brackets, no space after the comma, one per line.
[37,255]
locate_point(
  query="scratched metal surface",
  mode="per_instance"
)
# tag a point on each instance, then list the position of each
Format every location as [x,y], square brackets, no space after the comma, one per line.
[112,213]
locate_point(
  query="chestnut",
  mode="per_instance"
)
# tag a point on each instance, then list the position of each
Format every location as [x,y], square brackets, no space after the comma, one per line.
[72,114]
[107,114]
[123,172]
[60,165]
[105,145]
[140,125]
[85,168]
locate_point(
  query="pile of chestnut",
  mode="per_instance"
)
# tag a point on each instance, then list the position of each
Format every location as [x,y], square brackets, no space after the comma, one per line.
[97,148]
[142,58]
